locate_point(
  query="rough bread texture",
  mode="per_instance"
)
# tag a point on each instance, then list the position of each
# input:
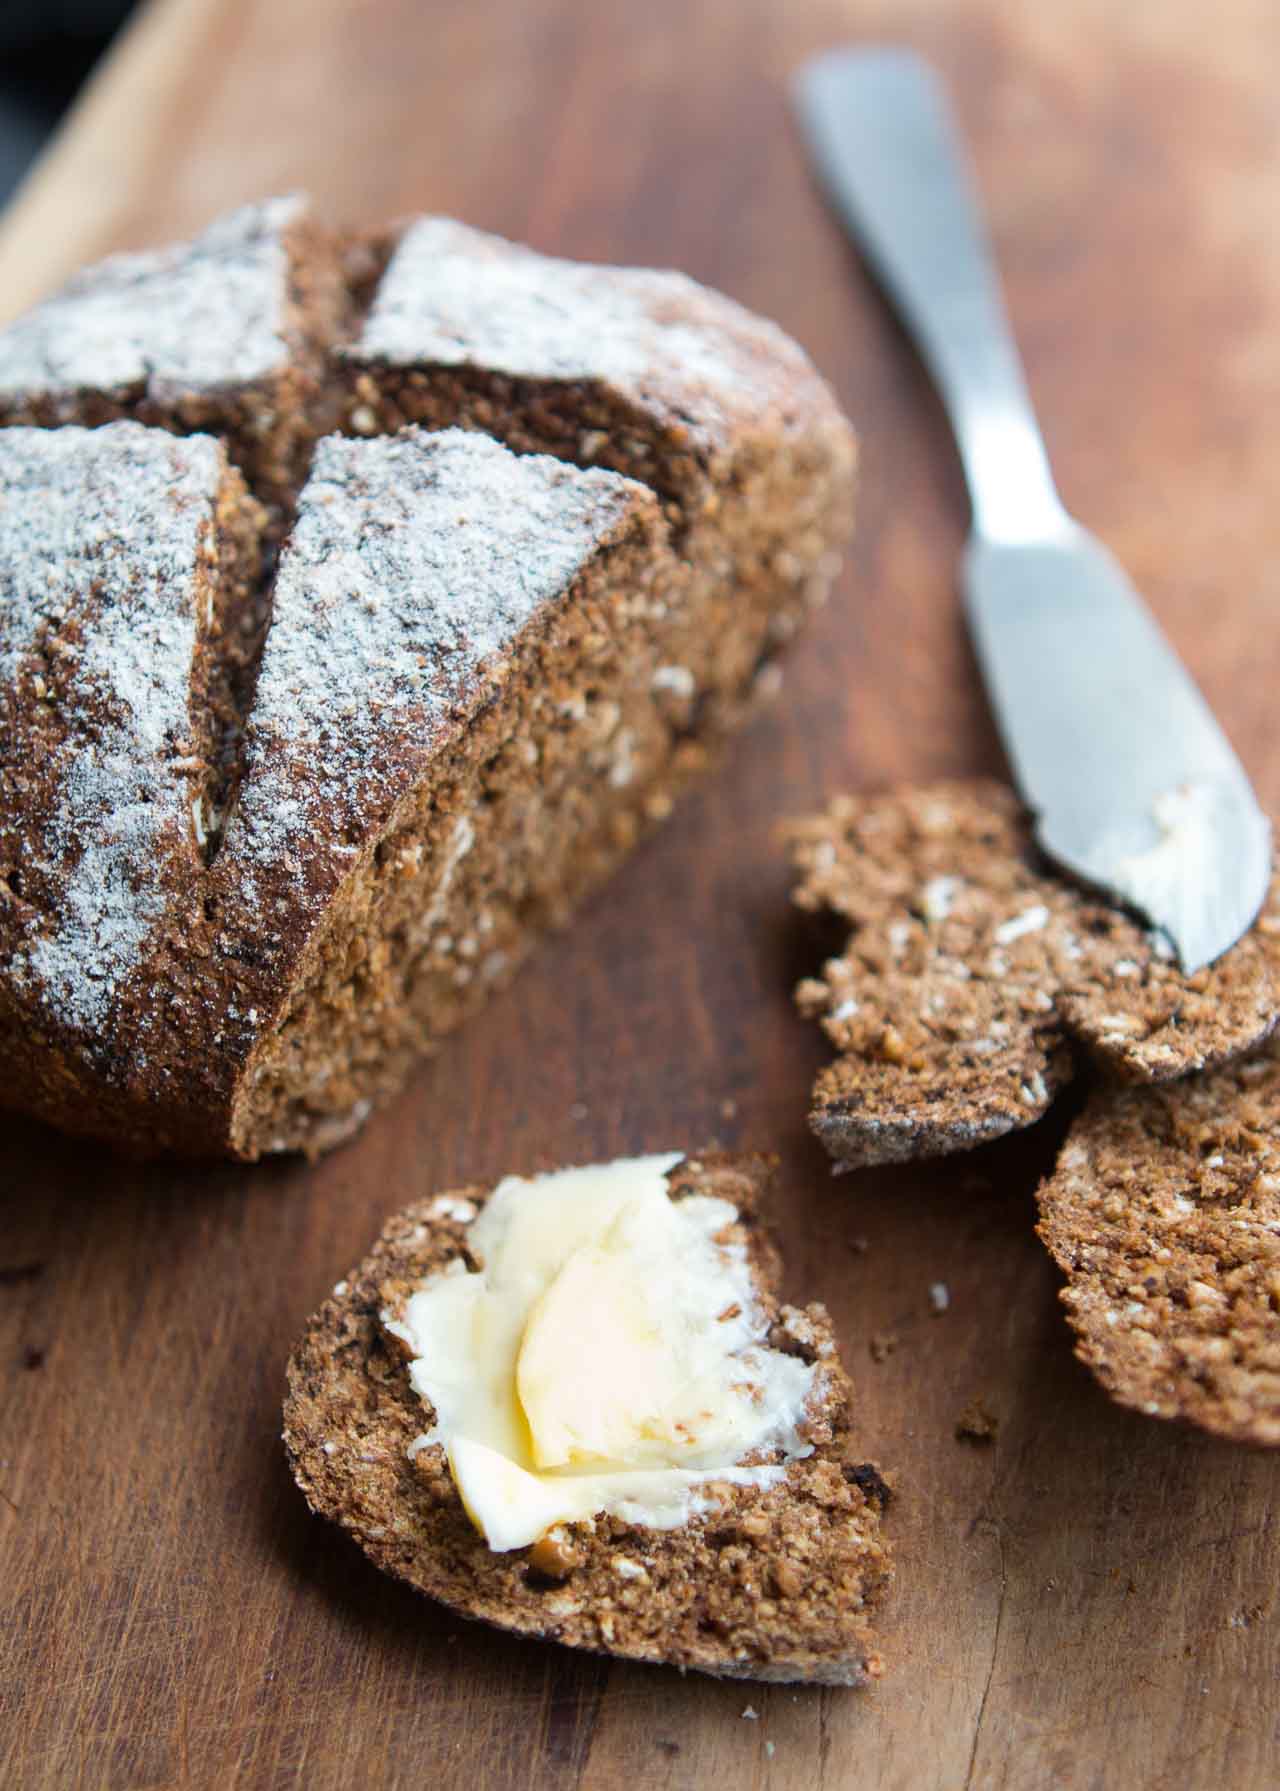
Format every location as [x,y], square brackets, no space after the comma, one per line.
[462,681]
[970,971]
[775,1584]
[1164,1214]
[228,333]
[421,787]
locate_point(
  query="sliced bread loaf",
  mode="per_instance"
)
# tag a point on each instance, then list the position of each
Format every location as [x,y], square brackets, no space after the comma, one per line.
[467,678]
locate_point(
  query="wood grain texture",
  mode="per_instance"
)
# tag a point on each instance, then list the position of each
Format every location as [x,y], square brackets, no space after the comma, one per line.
[1087,1602]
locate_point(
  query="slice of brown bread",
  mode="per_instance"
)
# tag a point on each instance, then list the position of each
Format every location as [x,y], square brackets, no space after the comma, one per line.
[774,1583]
[227,334]
[970,970]
[487,675]
[1164,1214]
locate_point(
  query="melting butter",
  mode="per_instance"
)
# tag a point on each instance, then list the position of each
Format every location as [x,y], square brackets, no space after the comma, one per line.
[609,1356]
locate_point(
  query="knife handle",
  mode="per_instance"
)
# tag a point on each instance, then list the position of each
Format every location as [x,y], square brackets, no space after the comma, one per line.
[891,161]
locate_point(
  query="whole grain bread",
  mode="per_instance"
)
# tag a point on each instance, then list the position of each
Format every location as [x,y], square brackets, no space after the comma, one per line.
[465,670]
[776,1583]
[1164,1214]
[972,981]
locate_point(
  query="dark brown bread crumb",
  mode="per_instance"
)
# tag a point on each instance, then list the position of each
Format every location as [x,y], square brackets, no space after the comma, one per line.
[971,969]
[775,1584]
[976,1424]
[1164,1213]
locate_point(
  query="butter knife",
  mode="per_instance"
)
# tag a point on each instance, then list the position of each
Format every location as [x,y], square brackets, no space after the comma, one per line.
[1132,784]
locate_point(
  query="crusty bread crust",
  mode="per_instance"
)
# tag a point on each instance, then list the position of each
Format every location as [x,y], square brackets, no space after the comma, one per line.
[1164,1214]
[972,980]
[227,335]
[776,1584]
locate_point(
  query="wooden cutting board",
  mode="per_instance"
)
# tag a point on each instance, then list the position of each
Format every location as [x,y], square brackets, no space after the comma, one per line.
[1089,1601]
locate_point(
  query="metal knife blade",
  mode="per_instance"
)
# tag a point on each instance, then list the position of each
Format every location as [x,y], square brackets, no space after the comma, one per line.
[1133,785]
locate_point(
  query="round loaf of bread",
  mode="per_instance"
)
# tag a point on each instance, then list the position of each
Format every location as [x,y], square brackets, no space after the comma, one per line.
[364,603]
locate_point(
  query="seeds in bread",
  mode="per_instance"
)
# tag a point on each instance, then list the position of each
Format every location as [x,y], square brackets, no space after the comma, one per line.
[772,1583]
[1164,1214]
[314,964]
[970,971]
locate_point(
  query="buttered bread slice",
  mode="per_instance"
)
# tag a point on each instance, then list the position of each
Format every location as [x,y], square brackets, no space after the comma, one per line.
[573,1406]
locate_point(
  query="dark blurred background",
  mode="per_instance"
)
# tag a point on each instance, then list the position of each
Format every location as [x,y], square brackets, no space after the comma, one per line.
[47,48]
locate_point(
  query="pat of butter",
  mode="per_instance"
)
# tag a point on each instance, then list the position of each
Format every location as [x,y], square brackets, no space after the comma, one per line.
[509,1506]
[608,1357]
[606,1405]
